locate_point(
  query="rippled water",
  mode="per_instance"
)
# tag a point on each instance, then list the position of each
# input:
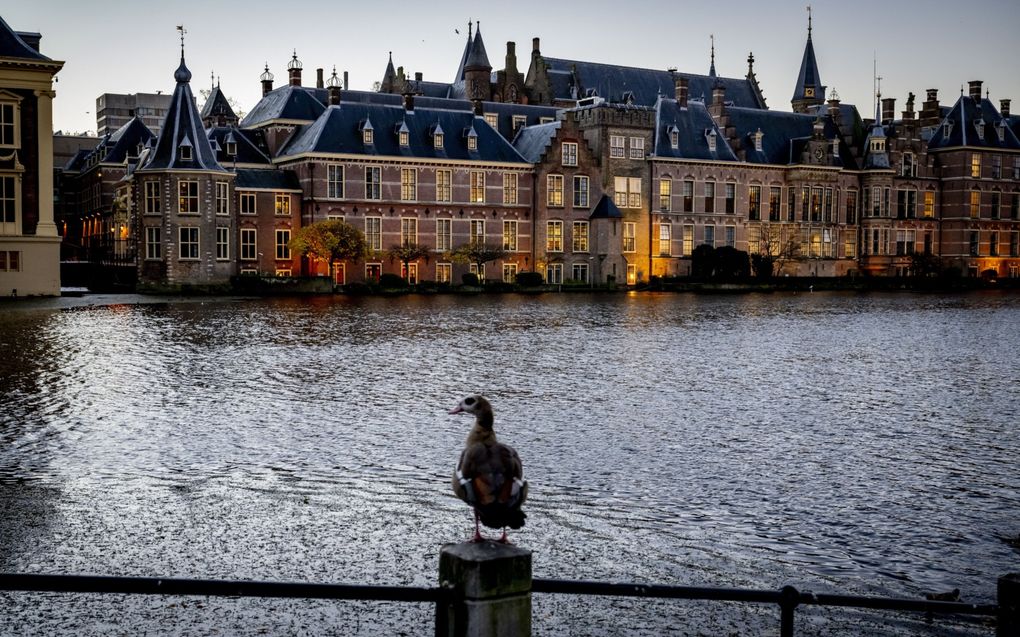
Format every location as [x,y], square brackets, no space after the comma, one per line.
[860,444]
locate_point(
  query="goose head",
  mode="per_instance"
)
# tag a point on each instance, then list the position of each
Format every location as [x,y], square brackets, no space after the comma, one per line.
[475,405]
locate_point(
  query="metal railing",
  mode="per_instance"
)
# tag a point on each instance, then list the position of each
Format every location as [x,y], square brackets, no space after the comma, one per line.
[788,598]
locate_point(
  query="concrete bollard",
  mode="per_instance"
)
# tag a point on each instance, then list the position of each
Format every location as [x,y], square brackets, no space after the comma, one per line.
[490,590]
[1009,606]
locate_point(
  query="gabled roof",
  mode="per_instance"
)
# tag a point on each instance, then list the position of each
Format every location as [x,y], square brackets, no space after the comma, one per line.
[125,141]
[181,127]
[337,130]
[612,81]
[218,106]
[251,145]
[293,103]
[963,119]
[605,209]
[531,141]
[13,46]
[692,124]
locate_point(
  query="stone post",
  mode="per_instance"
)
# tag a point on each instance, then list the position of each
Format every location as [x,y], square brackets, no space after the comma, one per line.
[1009,605]
[490,590]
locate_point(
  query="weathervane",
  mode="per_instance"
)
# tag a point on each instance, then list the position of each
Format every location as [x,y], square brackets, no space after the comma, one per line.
[809,21]
[182,31]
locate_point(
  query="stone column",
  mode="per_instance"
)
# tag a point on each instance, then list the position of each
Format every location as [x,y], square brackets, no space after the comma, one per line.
[1009,605]
[490,590]
[46,227]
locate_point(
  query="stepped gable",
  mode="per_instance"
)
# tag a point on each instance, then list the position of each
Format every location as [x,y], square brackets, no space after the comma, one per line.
[532,141]
[611,81]
[339,130]
[692,124]
[182,128]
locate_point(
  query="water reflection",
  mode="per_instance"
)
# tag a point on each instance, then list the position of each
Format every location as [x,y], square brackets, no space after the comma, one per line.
[856,443]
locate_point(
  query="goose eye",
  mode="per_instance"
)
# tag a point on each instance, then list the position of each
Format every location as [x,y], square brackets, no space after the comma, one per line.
[469,401]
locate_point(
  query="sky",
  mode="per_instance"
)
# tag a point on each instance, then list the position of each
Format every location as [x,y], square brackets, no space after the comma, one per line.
[118,46]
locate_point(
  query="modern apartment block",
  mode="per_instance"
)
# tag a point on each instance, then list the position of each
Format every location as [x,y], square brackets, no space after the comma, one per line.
[113,110]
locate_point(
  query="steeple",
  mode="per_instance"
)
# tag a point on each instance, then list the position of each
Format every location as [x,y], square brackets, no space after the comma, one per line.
[478,59]
[711,68]
[464,57]
[477,70]
[389,79]
[217,110]
[809,90]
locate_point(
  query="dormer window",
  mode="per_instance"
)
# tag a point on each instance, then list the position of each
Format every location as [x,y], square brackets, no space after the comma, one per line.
[367,133]
[758,137]
[980,125]
[710,136]
[947,128]
[628,97]
[232,149]
[1000,129]
[835,147]
[674,137]
[472,139]
[403,135]
[185,149]
[437,137]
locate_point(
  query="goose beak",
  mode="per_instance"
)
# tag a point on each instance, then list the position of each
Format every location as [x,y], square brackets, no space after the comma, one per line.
[457,410]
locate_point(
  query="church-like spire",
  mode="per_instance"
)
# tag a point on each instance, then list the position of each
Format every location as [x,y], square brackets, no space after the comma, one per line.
[711,67]
[478,59]
[389,77]
[809,90]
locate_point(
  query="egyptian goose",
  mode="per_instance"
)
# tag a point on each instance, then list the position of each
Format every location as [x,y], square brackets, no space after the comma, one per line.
[489,476]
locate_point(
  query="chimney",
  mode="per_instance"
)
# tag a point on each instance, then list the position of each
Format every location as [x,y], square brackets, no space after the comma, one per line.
[888,109]
[718,94]
[294,70]
[834,113]
[975,90]
[1004,108]
[511,57]
[477,107]
[534,47]
[909,113]
[318,79]
[333,95]
[717,109]
[408,93]
[346,87]
[680,87]
[267,81]
[931,114]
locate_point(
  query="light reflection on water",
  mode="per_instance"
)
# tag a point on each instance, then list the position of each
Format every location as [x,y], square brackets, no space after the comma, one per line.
[851,443]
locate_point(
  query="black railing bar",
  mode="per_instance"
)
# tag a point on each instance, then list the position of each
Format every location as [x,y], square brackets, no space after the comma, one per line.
[577,587]
[220,588]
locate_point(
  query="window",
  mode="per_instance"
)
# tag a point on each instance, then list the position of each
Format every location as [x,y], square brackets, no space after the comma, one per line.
[408,230]
[731,236]
[477,231]
[688,240]
[1014,244]
[580,191]
[10,261]
[373,271]
[816,204]
[510,235]
[404,138]
[996,166]
[665,239]
[996,203]
[616,146]
[444,234]
[688,195]
[9,125]
[579,272]
[282,204]
[569,153]
[580,236]
[510,188]
[368,134]
[827,215]
[674,138]
[849,245]
[975,165]
[637,147]
[629,236]
[907,166]
[222,243]
[492,119]
[876,202]
[775,200]
[906,204]
[851,207]
[929,204]
[554,273]
[1014,206]
[993,244]
[282,249]
[373,232]
[904,242]
[731,198]
[408,184]
[248,245]
[334,181]
[152,198]
[443,180]
[975,204]
[974,238]
[247,203]
[472,142]
[791,204]
[444,272]
[1016,168]
[153,243]
[477,271]
[509,272]
[753,202]
[373,182]
[709,196]
[519,122]
[665,194]
[554,190]
[222,198]
[709,236]
[185,151]
[554,236]
[188,243]
[627,192]
[477,186]
[187,197]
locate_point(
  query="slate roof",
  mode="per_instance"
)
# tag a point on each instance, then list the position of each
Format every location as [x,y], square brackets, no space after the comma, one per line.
[784,136]
[13,46]
[477,57]
[124,142]
[612,81]
[287,102]
[77,160]
[217,105]
[809,75]
[338,130]
[605,209]
[532,141]
[964,117]
[270,179]
[692,124]
[251,145]
[182,127]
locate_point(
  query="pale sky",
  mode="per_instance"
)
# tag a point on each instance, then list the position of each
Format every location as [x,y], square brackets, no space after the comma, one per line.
[130,46]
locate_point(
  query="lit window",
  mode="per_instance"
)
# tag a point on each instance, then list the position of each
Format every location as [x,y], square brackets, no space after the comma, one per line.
[187,200]
[580,236]
[408,184]
[627,192]
[637,147]
[569,153]
[477,231]
[282,244]
[510,188]
[665,239]
[408,231]
[373,182]
[580,191]
[334,181]
[188,244]
[444,272]
[665,194]
[373,232]
[975,165]
[554,190]
[437,141]
[509,272]
[282,204]
[477,194]
[472,142]
[554,236]
[404,138]
[688,240]
[775,198]
[492,119]
[929,204]
[975,204]
[629,236]
[443,179]
[368,135]
[510,235]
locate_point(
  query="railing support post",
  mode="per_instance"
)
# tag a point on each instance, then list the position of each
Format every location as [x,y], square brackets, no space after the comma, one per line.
[787,606]
[489,590]
[1009,605]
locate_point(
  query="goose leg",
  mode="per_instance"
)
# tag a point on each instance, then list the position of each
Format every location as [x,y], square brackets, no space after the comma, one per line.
[503,538]
[478,534]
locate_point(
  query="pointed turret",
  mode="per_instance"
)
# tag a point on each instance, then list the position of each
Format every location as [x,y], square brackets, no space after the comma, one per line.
[389,79]
[809,90]
[217,110]
[459,77]
[477,70]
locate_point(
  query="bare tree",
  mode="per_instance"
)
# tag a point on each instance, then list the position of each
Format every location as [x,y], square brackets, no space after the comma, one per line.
[408,252]
[774,250]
